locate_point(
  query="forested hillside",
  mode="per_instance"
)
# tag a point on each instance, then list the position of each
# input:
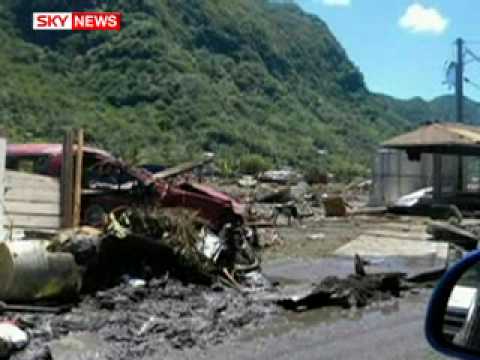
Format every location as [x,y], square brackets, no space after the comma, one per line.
[440,109]
[253,81]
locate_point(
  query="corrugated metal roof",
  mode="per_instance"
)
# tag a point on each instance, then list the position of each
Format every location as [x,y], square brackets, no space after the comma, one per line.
[437,135]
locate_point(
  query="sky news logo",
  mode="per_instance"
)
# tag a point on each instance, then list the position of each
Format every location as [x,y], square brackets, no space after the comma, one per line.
[77,21]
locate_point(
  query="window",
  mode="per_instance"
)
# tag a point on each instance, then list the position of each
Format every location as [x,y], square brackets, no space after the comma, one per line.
[29,164]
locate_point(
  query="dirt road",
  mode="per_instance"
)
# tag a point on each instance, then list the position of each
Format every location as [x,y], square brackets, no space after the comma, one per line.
[393,331]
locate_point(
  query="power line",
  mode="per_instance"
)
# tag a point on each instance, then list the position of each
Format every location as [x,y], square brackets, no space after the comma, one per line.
[464,56]
[472,55]
[468,61]
[473,84]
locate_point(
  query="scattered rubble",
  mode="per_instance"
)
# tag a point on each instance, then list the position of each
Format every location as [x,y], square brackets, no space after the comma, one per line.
[280,176]
[466,237]
[316,237]
[269,238]
[273,195]
[335,206]
[288,210]
[247,181]
[12,338]
[359,185]
[356,290]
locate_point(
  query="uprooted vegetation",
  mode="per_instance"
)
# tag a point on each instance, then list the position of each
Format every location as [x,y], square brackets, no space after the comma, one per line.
[150,242]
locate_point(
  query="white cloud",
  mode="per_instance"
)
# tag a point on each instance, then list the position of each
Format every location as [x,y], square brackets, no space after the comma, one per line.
[418,19]
[337,2]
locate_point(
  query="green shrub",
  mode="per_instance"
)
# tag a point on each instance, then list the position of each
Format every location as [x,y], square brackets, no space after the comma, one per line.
[252,164]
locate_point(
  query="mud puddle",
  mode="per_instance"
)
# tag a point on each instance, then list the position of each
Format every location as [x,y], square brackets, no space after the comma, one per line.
[291,322]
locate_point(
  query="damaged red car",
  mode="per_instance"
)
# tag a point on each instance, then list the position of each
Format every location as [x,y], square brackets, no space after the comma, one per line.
[109,183]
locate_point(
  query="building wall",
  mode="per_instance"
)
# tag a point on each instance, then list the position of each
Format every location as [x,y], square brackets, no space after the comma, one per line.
[394,175]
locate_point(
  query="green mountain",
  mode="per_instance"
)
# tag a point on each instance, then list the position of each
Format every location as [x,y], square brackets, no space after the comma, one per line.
[259,83]
[440,109]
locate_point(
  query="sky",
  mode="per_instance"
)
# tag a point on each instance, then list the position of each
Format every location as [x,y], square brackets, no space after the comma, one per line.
[402,46]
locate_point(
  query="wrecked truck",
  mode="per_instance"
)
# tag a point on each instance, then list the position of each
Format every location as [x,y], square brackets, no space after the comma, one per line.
[109,183]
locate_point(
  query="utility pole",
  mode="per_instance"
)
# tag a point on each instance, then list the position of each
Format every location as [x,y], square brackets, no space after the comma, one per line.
[459,80]
[459,97]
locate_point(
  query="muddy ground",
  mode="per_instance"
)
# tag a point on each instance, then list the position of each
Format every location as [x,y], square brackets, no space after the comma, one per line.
[128,322]
[167,319]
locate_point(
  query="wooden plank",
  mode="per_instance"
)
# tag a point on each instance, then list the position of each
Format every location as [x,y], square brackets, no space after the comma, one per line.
[32,195]
[77,189]
[38,233]
[24,207]
[31,185]
[397,234]
[33,221]
[17,178]
[67,181]
[405,228]
[182,168]
[36,229]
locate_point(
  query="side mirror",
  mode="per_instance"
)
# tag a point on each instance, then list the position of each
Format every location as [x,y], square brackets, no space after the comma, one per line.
[453,319]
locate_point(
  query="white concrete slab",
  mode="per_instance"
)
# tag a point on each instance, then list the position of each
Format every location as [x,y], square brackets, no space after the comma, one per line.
[372,246]
[409,256]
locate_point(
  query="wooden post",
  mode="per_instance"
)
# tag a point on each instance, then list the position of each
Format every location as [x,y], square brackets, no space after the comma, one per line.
[3,153]
[77,191]
[437,177]
[67,181]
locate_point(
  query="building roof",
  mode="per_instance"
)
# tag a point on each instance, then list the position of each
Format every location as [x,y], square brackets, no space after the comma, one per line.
[443,138]
[46,149]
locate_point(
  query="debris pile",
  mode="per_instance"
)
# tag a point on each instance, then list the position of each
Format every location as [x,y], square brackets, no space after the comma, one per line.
[269,238]
[12,338]
[125,292]
[147,242]
[356,290]
[280,176]
[352,291]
